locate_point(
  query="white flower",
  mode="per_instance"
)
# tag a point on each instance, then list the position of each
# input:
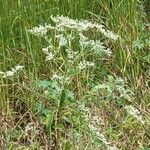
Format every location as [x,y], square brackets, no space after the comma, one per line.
[107,33]
[85,64]
[45,50]
[111,35]
[71,54]
[102,138]
[81,25]
[62,40]
[62,22]
[49,27]
[135,113]
[57,77]
[82,38]
[39,31]
[60,78]
[29,127]
[49,55]
[112,147]
[46,92]
[18,67]
[1,72]
[94,123]
[95,45]
[11,72]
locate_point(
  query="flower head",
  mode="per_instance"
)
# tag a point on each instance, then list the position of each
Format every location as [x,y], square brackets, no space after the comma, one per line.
[135,113]
[11,72]
[85,64]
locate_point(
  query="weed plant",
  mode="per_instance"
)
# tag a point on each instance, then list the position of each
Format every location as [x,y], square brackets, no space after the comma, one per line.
[74,75]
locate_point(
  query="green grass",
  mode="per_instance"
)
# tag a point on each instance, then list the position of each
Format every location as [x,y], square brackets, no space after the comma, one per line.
[38,113]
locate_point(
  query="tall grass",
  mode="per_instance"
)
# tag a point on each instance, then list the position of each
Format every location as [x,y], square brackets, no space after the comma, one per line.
[24,102]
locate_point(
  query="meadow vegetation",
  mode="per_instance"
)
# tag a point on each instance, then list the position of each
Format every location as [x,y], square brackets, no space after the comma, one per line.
[74,75]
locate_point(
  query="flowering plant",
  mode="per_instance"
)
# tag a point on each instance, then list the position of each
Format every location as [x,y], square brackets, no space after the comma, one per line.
[73,51]
[69,44]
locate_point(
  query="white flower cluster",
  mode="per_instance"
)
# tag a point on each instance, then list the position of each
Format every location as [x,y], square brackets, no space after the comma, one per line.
[62,40]
[85,64]
[60,78]
[57,77]
[94,45]
[66,22]
[81,25]
[41,30]
[71,54]
[114,88]
[94,123]
[135,113]
[49,55]
[62,22]
[11,72]
[29,127]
